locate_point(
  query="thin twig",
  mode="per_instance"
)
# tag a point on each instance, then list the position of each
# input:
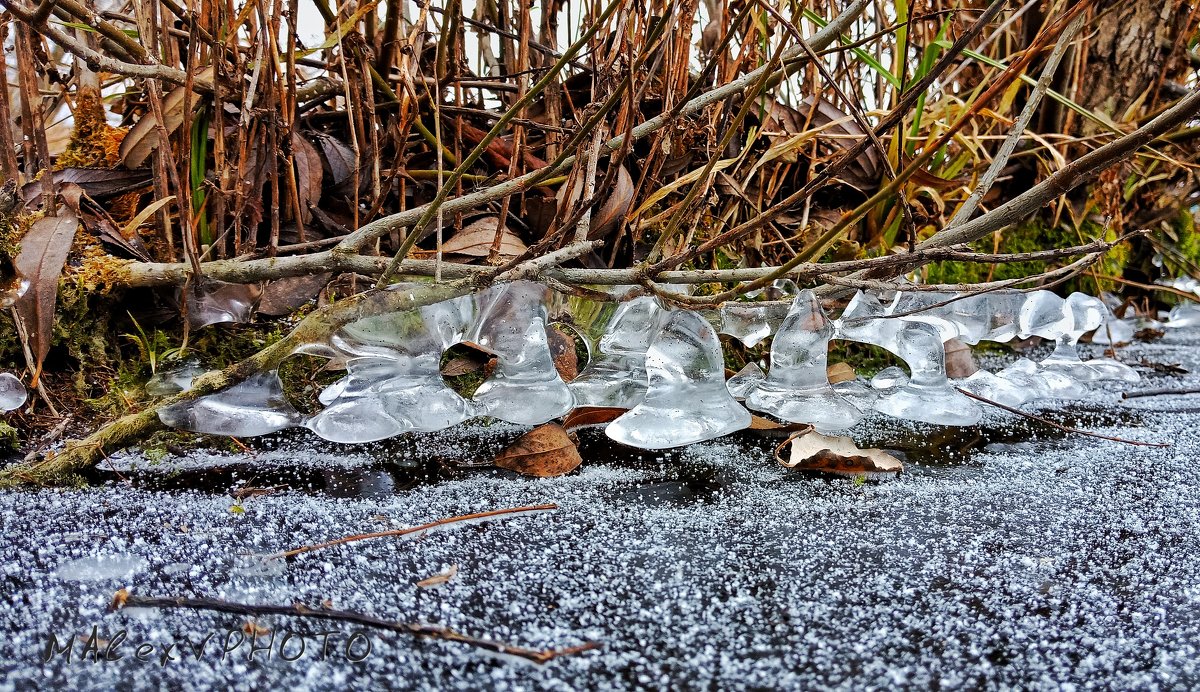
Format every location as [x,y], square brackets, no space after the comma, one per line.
[1164,391]
[417,629]
[440,523]
[1060,426]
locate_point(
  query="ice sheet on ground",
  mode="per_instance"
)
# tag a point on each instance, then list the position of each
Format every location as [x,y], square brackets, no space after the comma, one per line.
[1033,564]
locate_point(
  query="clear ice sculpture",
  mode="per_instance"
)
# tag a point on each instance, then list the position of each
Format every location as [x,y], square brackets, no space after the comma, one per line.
[13,394]
[1043,314]
[797,387]
[686,400]
[1082,314]
[752,322]
[1000,309]
[213,302]
[1042,384]
[927,396]
[616,374]
[1183,315]
[173,380]
[393,382]
[525,387]
[889,378]
[745,380]
[253,407]
[923,306]
[998,389]
[1086,314]
[1114,330]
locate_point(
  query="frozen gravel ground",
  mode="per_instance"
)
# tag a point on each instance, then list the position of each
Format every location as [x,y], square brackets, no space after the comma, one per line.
[1008,556]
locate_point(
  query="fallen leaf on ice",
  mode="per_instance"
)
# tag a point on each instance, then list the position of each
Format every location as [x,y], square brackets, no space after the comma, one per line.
[812,451]
[439,578]
[591,417]
[543,452]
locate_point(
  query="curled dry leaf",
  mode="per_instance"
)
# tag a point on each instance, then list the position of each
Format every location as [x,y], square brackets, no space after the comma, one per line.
[97,183]
[461,365]
[439,578]
[43,253]
[838,455]
[545,451]
[614,206]
[338,157]
[118,600]
[591,417]
[476,238]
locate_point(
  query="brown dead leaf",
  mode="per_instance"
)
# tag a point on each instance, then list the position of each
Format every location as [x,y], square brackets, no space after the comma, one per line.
[545,451]
[562,349]
[98,183]
[143,137]
[959,360]
[840,372]
[461,366]
[439,578]
[119,599]
[614,206]
[44,250]
[253,629]
[475,240]
[309,174]
[284,296]
[591,417]
[338,156]
[768,427]
[838,455]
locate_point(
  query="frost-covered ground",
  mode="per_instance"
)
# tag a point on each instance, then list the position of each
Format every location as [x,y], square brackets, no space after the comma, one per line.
[1009,555]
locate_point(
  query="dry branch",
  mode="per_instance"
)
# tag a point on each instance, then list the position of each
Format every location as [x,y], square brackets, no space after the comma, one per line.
[439,632]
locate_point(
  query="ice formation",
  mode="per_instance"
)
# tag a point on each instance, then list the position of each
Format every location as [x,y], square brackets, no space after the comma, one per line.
[927,395]
[256,406]
[173,380]
[616,375]
[213,302]
[745,380]
[665,365]
[526,387]
[393,382]
[797,388]
[12,393]
[686,400]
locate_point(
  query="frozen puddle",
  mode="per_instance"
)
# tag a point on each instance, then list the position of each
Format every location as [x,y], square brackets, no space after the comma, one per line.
[1010,555]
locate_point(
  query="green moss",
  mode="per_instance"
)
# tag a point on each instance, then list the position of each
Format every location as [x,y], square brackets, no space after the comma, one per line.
[10,441]
[864,358]
[1031,236]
